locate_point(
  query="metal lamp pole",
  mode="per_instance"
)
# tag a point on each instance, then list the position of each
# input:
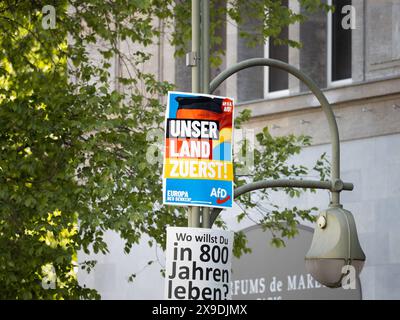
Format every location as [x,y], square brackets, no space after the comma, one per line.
[198,59]
[193,60]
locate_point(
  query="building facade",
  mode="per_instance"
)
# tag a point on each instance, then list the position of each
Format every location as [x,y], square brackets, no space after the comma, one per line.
[359,70]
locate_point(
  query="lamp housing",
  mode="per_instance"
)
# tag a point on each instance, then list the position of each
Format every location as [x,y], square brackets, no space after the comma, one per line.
[334,247]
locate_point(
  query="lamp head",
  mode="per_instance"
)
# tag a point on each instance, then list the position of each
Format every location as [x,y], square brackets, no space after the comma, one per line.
[334,246]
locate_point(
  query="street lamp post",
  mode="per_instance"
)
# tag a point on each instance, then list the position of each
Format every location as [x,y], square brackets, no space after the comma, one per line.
[192,60]
[335,243]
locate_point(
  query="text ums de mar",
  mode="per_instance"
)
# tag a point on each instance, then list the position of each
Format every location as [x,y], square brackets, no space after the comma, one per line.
[198,264]
[198,168]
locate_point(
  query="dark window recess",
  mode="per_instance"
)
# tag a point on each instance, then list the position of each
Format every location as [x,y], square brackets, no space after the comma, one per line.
[279,79]
[250,82]
[341,43]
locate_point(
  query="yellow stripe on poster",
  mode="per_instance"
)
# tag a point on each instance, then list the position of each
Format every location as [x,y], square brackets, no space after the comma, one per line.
[198,169]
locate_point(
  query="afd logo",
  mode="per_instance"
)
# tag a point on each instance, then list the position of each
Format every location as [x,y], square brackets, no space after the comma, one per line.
[221,195]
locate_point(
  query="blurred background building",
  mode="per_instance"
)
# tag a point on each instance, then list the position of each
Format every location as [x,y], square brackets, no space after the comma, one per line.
[359,70]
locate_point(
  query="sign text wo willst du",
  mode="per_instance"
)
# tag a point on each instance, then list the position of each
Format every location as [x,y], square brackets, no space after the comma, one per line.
[198,264]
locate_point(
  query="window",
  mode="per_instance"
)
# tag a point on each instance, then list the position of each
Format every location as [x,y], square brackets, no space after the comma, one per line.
[276,81]
[339,45]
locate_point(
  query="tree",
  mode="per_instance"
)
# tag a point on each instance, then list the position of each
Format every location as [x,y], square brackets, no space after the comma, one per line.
[72,143]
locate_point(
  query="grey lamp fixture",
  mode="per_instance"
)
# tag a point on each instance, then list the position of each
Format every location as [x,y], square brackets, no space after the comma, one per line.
[335,245]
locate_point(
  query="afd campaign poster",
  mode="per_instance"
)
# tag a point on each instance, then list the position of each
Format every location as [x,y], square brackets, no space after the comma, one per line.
[198,167]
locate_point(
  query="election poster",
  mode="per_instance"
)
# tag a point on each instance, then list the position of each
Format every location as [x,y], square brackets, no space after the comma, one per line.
[198,167]
[198,264]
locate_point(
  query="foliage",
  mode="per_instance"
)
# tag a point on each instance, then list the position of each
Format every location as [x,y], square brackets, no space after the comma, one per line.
[73,140]
[74,147]
[272,17]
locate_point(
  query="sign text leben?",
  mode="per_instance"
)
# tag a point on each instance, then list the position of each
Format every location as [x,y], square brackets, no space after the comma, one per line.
[198,168]
[198,264]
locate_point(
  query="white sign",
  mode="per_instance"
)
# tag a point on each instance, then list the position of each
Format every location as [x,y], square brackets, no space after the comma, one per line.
[198,264]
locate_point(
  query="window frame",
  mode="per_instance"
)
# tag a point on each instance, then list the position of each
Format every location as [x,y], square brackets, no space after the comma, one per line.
[335,83]
[267,93]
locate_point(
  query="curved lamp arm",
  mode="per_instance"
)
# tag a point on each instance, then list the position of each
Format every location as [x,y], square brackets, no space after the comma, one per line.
[335,185]
[284,183]
[333,129]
